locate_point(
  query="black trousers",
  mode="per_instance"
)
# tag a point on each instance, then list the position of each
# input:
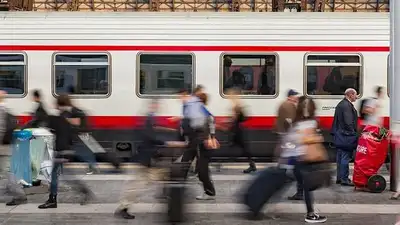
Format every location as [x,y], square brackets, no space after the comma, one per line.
[238,140]
[308,198]
[196,139]
[204,171]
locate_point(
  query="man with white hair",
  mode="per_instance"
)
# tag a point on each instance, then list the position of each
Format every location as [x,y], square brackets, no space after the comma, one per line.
[344,131]
[12,187]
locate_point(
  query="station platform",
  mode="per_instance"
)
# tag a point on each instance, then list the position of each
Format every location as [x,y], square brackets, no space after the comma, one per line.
[342,205]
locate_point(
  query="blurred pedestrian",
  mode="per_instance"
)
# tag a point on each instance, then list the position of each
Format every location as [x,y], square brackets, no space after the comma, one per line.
[62,127]
[12,187]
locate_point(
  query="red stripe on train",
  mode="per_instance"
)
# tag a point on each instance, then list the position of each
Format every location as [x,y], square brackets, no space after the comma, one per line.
[194,48]
[130,122]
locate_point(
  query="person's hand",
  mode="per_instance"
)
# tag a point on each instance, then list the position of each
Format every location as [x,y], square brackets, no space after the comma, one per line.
[212,143]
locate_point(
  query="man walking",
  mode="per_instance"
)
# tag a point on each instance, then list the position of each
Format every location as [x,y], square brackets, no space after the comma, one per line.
[344,131]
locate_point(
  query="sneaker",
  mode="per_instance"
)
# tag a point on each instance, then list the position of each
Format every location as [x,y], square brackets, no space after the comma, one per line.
[123,213]
[205,197]
[315,218]
[91,171]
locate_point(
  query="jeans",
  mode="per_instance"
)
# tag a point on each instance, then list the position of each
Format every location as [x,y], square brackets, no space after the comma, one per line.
[55,173]
[57,166]
[308,198]
[342,165]
[85,154]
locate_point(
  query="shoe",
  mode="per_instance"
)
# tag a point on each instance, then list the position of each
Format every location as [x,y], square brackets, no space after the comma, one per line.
[124,214]
[17,201]
[92,170]
[50,204]
[89,172]
[338,182]
[205,197]
[315,218]
[252,168]
[296,197]
[347,183]
[36,183]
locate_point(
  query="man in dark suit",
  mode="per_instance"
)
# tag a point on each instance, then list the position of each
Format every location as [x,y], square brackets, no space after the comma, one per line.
[344,131]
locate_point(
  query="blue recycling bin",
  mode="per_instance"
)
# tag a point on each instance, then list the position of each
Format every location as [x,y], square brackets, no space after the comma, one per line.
[21,158]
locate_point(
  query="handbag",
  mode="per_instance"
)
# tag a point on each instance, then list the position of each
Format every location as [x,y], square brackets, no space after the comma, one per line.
[314,151]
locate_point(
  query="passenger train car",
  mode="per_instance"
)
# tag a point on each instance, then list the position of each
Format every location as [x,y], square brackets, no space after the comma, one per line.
[115,62]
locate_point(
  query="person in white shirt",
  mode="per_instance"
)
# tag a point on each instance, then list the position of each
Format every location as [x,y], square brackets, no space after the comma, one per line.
[372,109]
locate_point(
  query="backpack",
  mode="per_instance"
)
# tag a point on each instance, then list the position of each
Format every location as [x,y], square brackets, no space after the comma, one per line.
[84,126]
[11,125]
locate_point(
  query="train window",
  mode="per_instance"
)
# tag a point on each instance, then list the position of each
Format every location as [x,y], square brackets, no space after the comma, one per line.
[12,74]
[165,74]
[81,74]
[332,74]
[252,74]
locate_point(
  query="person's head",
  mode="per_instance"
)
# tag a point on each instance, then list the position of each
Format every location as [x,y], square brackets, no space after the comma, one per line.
[199,89]
[351,94]
[63,101]
[305,109]
[379,91]
[183,95]
[3,95]
[36,96]
[293,96]
[203,98]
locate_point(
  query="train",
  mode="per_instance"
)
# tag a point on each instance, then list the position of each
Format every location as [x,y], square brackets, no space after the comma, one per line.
[114,63]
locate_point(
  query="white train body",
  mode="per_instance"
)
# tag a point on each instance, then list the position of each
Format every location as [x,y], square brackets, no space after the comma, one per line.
[207,37]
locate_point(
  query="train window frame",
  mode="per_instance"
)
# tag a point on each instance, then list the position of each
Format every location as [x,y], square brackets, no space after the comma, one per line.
[82,96]
[25,64]
[305,64]
[163,96]
[277,80]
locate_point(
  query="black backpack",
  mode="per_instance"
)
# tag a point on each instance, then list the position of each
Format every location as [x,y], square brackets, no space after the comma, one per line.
[84,127]
[11,125]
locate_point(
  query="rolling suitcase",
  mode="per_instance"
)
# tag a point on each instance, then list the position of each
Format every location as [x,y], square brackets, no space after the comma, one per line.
[265,185]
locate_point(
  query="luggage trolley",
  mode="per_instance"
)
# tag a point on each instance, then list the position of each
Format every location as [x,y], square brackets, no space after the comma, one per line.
[371,153]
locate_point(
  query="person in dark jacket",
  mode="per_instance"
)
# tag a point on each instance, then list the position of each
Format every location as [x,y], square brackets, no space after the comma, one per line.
[40,115]
[344,131]
[64,136]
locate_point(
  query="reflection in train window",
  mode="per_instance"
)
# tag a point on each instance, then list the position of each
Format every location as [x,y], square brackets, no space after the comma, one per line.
[253,74]
[12,73]
[81,74]
[332,74]
[165,74]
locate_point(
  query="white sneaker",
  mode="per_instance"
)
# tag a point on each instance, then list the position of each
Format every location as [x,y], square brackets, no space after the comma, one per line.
[205,197]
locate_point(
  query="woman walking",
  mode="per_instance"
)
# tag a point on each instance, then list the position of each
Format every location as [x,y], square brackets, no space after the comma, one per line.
[302,134]
[236,127]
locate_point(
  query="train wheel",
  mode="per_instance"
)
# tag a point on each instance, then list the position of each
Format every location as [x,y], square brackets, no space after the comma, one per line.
[376,184]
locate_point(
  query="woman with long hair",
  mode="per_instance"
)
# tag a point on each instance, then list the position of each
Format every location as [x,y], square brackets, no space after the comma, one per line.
[303,130]
[236,127]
